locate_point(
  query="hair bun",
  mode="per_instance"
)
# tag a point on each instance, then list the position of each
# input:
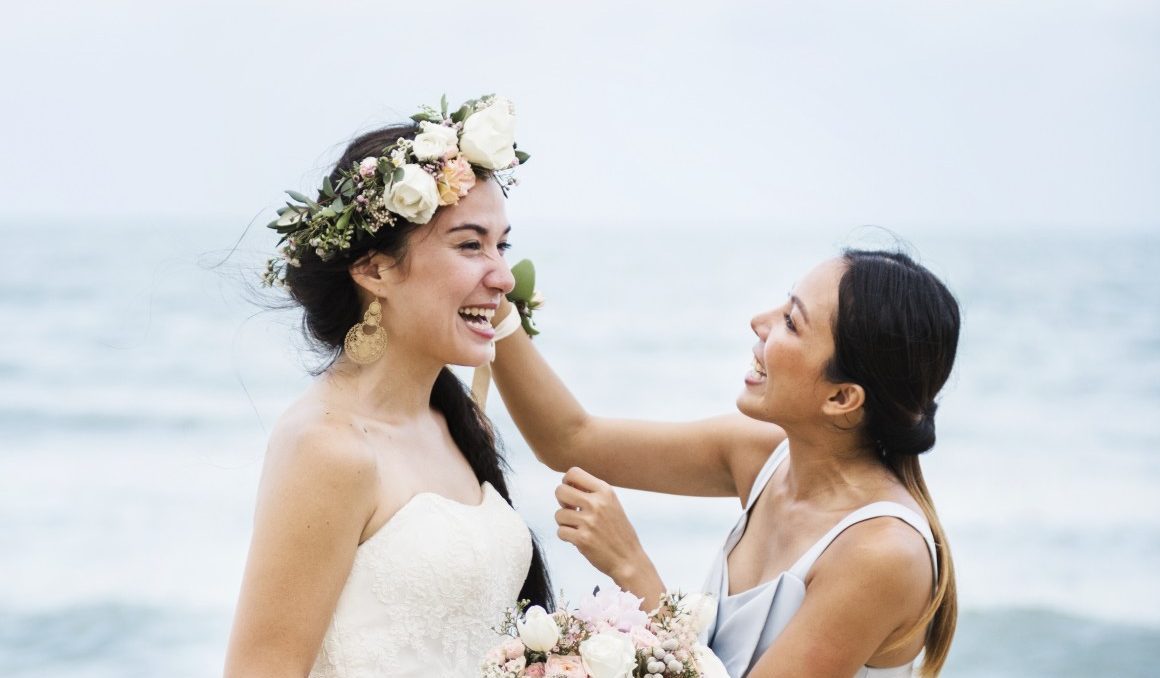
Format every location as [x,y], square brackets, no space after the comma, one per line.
[914,439]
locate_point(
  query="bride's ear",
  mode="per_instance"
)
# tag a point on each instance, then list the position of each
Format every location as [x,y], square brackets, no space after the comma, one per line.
[375,273]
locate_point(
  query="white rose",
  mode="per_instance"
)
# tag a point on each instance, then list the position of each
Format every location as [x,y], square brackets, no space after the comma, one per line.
[488,138]
[710,665]
[608,655]
[701,608]
[538,630]
[435,141]
[415,196]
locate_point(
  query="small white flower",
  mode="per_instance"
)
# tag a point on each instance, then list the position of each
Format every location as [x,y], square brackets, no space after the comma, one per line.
[434,142]
[415,196]
[701,608]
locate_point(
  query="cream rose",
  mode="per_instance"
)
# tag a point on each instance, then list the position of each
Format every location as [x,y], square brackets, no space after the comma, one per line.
[435,141]
[538,630]
[415,196]
[488,138]
[608,655]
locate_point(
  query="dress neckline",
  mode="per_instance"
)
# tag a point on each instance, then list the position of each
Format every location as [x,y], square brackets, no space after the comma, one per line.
[485,488]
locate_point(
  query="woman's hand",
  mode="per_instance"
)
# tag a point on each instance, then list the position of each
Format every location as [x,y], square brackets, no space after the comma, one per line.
[592,519]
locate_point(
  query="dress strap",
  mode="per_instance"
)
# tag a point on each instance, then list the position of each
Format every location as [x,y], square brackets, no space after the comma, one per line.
[876,510]
[779,453]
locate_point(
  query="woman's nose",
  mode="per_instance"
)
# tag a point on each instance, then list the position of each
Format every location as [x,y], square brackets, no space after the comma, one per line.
[760,325]
[500,277]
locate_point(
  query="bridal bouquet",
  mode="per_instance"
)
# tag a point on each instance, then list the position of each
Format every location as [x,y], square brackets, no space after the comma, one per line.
[608,636]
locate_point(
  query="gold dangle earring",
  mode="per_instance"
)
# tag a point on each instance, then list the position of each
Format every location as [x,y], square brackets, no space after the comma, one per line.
[366,341]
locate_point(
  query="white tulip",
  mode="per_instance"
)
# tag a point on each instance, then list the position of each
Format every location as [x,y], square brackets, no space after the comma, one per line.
[538,629]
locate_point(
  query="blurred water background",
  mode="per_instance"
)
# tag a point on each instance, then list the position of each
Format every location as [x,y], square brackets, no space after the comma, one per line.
[137,385]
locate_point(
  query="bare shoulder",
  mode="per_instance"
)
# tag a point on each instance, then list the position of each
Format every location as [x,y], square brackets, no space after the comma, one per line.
[885,556]
[321,448]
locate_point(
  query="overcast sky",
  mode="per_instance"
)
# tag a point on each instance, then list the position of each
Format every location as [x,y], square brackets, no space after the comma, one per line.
[1006,114]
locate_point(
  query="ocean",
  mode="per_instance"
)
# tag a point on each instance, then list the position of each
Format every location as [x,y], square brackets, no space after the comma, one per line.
[138,381]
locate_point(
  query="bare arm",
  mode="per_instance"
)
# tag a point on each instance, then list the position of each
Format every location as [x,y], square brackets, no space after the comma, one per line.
[866,590]
[710,457]
[314,500]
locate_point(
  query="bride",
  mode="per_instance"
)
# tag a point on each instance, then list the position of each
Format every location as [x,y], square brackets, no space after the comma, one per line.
[384,542]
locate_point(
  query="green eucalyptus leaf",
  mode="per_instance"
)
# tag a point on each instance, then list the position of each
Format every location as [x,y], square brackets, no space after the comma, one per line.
[327,188]
[525,274]
[299,197]
[398,175]
[344,219]
[522,157]
[462,114]
[443,105]
[327,212]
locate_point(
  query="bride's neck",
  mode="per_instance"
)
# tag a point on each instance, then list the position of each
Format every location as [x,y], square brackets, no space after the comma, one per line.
[395,388]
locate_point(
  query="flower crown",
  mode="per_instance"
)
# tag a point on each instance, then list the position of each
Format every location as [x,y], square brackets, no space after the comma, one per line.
[409,179]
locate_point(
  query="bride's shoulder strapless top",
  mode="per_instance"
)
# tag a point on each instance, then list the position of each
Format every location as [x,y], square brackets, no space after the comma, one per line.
[426,590]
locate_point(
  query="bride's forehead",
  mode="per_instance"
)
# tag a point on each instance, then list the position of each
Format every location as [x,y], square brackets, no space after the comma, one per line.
[820,284]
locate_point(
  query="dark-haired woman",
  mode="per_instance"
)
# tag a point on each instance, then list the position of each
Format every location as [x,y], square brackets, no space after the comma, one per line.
[838,565]
[384,542]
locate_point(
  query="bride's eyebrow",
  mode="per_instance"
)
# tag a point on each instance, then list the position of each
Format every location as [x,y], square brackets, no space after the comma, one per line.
[477,228]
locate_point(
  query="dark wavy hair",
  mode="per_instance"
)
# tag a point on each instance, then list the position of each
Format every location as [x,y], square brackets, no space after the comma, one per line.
[330,306]
[895,334]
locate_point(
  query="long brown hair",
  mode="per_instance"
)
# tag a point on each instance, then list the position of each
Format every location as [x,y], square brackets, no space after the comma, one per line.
[895,334]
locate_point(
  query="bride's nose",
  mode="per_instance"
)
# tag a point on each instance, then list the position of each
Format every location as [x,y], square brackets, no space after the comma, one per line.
[760,324]
[500,277]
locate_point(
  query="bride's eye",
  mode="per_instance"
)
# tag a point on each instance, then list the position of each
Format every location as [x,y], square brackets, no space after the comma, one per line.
[471,245]
[789,323]
[504,247]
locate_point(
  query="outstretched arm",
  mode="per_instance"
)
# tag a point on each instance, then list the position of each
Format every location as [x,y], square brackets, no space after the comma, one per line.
[712,457]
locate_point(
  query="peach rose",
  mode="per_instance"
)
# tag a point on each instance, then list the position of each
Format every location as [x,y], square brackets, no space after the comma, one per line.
[568,666]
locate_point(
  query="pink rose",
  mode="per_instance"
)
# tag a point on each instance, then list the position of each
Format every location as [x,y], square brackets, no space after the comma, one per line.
[367,167]
[535,670]
[512,648]
[567,666]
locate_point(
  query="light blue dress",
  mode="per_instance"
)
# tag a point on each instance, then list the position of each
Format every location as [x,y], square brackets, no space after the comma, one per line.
[747,623]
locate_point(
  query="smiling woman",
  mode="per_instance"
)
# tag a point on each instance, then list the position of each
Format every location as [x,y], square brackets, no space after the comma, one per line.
[383,510]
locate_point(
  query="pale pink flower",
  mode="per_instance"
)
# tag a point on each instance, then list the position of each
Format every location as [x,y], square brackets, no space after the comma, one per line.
[642,638]
[567,666]
[619,609]
[512,648]
[367,167]
[535,670]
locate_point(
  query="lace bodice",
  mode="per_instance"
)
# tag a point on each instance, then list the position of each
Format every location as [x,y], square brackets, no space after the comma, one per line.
[426,590]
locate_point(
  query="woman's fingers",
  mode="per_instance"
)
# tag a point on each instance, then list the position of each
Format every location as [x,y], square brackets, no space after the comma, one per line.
[569,518]
[583,480]
[570,497]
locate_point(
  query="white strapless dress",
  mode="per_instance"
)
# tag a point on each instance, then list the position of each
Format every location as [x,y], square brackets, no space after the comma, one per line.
[426,590]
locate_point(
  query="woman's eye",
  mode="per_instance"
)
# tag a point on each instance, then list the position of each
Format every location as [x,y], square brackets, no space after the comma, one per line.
[471,245]
[789,323]
[504,247]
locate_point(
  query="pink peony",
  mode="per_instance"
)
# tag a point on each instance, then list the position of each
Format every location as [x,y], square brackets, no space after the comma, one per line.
[566,666]
[619,609]
[516,665]
[367,167]
[535,670]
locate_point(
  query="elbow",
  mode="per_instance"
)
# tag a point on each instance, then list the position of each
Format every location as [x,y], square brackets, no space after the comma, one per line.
[565,449]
